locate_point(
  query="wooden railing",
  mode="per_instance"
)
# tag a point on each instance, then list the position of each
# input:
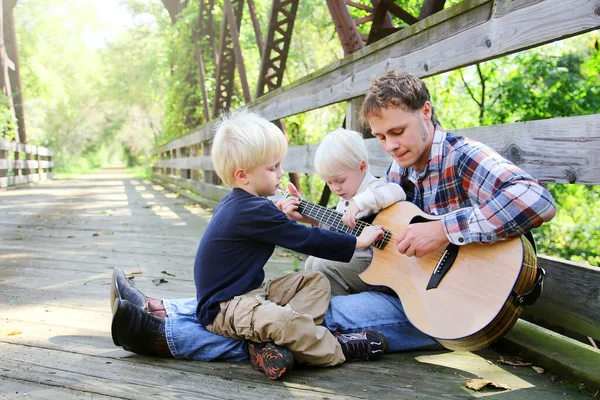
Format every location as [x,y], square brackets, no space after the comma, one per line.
[14,170]
[562,150]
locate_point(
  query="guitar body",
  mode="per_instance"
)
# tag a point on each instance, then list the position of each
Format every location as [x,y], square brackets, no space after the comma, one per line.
[474,303]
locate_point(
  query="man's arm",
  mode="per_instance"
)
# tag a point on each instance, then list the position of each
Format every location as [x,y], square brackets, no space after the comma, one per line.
[506,200]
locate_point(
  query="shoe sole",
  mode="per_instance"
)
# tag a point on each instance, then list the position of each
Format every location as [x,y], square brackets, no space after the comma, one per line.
[115,302]
[116,312]
[272,366]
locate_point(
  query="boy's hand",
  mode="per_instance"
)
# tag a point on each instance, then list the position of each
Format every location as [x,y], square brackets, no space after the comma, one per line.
[349,218]
[369,235]
[290,205]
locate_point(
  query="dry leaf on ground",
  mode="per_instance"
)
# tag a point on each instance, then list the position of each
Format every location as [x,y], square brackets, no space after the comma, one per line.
[539,370]
[514,361]
[478,384]
[6,332]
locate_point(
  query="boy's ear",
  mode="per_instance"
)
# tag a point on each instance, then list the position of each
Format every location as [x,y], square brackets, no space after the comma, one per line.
[240,175]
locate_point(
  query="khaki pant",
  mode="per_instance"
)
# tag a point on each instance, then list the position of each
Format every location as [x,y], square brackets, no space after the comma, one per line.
[287,311]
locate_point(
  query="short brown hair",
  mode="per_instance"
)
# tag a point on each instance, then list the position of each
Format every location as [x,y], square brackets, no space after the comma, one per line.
[396,88]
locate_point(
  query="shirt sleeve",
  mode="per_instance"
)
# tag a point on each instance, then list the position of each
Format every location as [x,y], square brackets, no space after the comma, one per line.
[506,200]
[270,225]
[379,195]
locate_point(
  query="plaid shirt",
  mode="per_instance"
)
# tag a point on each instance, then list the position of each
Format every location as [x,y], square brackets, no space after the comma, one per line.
[482,196]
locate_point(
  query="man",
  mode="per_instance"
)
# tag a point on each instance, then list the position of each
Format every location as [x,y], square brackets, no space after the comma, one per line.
[482,198]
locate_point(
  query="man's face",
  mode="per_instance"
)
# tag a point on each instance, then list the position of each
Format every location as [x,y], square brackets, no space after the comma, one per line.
[405,134]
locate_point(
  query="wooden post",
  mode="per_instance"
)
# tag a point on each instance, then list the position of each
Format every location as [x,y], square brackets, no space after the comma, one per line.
[194,153]
[353,107]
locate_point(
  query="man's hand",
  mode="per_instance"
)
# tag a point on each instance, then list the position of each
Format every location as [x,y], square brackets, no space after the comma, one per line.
[349,218]
[289,206]
[420,239]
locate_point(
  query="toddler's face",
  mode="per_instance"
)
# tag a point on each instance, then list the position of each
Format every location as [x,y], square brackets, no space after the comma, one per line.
[346,184]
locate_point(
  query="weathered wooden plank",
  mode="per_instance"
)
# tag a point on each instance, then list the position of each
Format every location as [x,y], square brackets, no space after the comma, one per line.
[198,162]
[20,388]
[427,50]
[207,190]
[563,150]
[24,148]
[567,357]
[205,380]
[571,296]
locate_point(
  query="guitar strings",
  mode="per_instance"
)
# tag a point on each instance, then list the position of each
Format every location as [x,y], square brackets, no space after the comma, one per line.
[334,219]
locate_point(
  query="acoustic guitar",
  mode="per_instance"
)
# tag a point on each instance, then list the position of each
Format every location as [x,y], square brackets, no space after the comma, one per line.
[465,297]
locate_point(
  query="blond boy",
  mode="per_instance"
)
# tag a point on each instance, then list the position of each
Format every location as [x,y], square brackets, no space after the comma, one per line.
[283,315]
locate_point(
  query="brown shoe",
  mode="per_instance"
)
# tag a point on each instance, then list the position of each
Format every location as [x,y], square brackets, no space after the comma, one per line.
[123,288]
[270,358]
[137,331]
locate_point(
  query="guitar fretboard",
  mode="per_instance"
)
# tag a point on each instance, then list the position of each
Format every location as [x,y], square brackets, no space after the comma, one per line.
[333,219]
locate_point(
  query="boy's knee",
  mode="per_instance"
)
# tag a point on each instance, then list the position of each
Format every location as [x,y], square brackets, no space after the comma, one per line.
[318,280]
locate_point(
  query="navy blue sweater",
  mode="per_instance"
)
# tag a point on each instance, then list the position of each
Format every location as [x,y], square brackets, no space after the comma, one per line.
[238,242]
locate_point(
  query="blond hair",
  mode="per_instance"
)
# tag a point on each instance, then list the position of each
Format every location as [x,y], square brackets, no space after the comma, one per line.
[244,140]
[342,150]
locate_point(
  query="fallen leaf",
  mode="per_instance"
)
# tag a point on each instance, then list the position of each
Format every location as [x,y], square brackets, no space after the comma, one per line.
[166,273]
[13,333]
[478,384]
[539,370]
[514,361]
[284,255]
[159,281]
[70,237]
[136,272]
[95,234]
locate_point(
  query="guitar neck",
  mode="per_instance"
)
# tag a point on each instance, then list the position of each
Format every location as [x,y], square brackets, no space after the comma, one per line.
[333,219]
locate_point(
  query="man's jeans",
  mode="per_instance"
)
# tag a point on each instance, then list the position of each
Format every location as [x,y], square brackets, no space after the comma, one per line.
[368,310]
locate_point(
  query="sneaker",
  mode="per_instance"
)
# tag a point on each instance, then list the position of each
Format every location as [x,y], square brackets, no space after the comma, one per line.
[364,345]
[270,358]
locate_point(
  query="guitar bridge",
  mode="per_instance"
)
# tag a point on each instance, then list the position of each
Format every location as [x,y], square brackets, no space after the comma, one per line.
[443,266]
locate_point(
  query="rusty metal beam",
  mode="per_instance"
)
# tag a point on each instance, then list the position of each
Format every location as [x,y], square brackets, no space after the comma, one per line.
[345,26]
[226,62]
[430,7]
[277,45]
[203,34]
[399,12]
[256,26]
[237,49]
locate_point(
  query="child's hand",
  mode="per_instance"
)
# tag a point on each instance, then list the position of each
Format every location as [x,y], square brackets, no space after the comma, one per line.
[369,235]
[289,206]
[349,218]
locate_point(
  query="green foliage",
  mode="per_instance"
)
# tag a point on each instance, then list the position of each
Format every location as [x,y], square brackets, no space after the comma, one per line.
[8,121]
[574,234]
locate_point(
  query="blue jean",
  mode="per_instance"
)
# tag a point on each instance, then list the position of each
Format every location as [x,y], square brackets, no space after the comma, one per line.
[188,339]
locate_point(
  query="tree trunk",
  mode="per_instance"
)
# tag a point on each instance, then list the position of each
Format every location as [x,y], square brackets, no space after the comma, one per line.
[10,43]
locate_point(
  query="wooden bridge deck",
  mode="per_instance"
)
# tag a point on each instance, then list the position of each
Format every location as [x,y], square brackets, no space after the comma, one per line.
[60,241]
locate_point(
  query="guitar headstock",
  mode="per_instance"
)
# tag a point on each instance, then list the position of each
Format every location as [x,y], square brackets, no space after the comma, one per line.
[280,194]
